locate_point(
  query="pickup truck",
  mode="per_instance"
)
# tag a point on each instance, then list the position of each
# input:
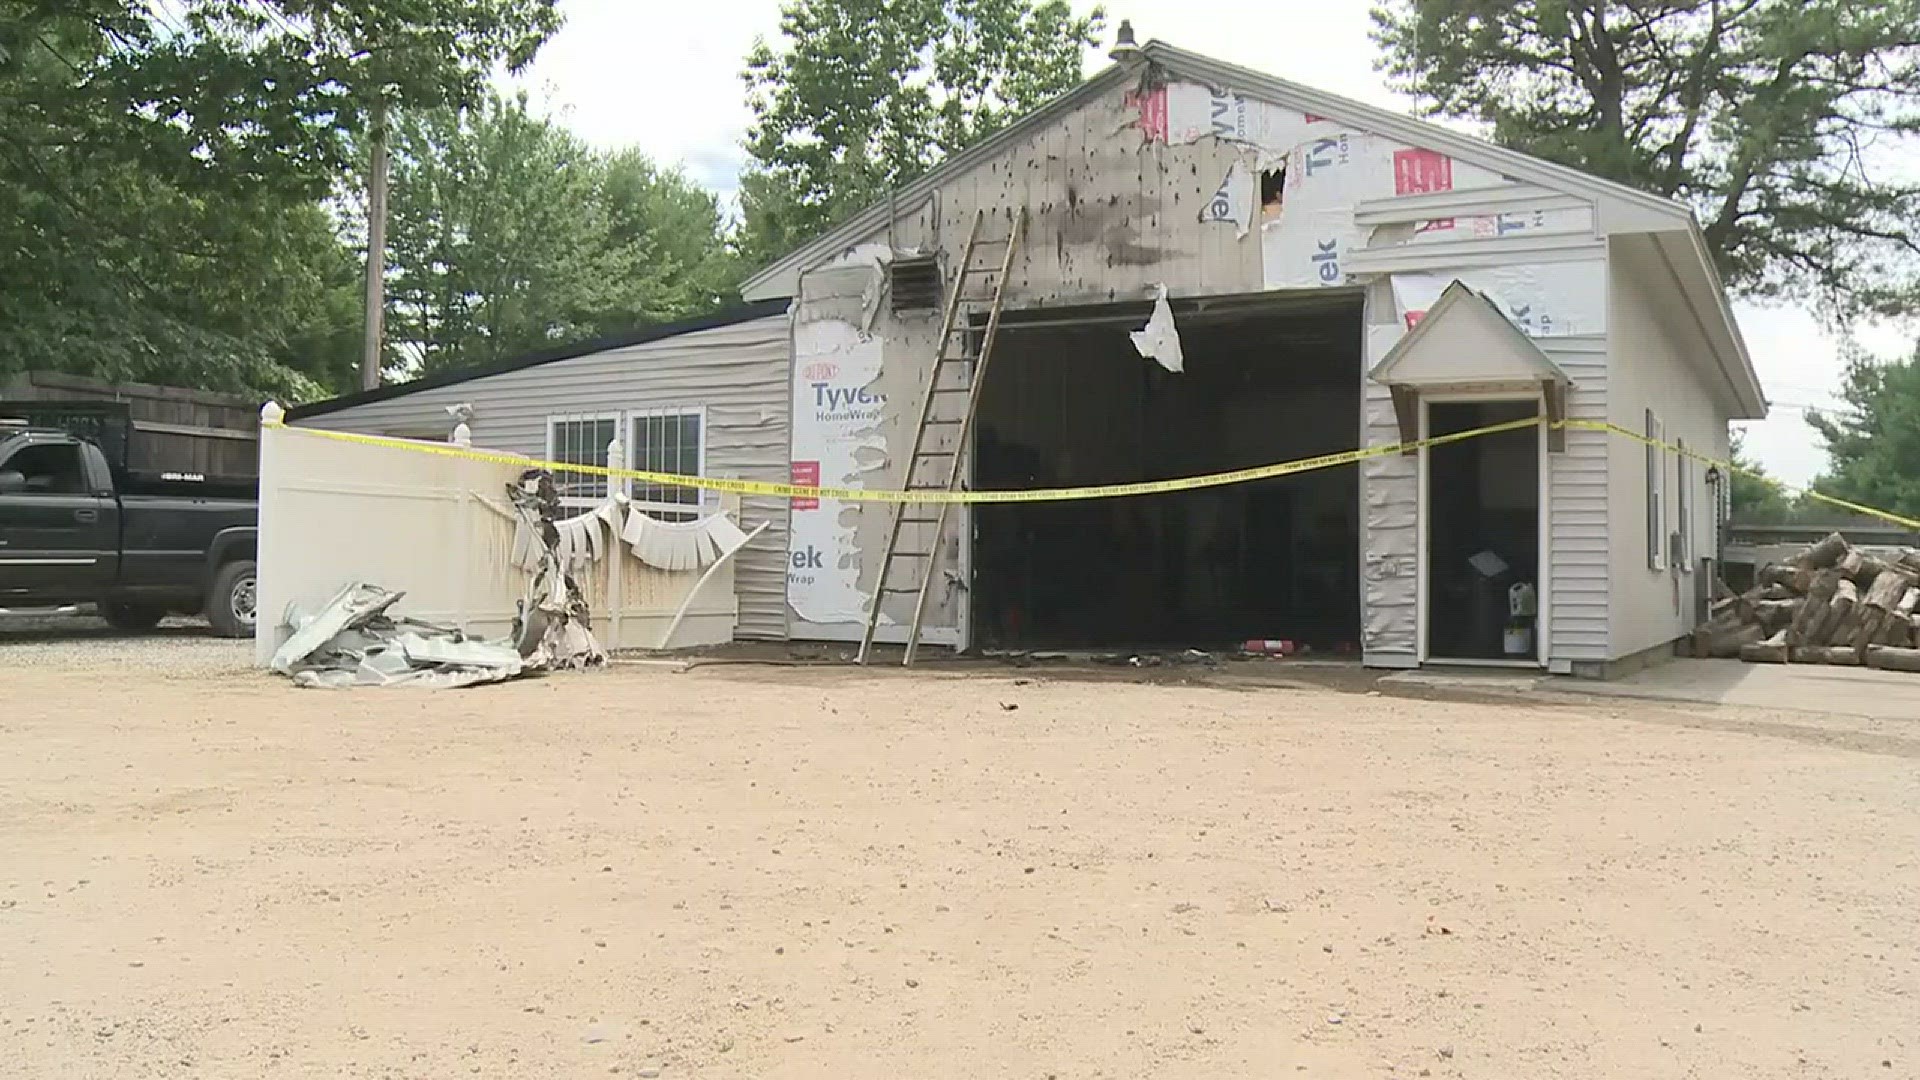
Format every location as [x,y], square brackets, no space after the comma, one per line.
[74,530]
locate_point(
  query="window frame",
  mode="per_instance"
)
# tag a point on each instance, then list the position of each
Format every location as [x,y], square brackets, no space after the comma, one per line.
[618,419]
[633,456]
[663,509]
[1656,493]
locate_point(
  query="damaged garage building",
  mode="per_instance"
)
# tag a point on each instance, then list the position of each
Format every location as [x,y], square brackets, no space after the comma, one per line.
[1207,269]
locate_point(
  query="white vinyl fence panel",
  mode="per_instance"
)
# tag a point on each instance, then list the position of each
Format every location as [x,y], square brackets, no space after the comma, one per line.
[439,528]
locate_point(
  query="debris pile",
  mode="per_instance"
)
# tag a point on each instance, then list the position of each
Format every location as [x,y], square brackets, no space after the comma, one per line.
[1830,604]
[552,624]
[354,641]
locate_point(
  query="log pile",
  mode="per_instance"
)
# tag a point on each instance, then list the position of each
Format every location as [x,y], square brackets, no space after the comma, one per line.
[1830,604]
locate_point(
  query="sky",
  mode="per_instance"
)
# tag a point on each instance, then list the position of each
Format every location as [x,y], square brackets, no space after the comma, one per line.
[665,77]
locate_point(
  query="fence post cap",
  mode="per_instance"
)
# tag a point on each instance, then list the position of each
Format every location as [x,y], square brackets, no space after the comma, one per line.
[272,413]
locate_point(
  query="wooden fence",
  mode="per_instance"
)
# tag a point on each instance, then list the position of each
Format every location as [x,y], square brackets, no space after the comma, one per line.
[174,430]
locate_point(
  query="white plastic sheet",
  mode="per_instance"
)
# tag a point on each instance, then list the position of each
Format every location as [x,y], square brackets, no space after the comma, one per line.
[1159,340]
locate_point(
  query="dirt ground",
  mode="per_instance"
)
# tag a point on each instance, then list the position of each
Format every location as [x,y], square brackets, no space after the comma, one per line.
[775,872]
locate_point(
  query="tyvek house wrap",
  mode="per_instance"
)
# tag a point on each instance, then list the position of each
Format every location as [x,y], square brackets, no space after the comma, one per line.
[1328,167]
[836,443]
[1558,299]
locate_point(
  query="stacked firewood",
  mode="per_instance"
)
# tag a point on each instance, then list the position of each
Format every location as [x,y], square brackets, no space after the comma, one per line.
[1830,604]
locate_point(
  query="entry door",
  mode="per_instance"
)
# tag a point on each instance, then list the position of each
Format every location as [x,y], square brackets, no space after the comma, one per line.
[1482,534]
[58,539]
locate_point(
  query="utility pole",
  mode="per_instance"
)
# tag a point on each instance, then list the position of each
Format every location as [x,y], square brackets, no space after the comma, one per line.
[376,251]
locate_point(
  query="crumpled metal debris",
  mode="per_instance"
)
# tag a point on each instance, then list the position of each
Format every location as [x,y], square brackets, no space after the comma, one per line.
[353,641]
[552,625]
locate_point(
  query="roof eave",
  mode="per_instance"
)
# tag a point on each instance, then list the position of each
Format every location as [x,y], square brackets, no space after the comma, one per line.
[1687,257]
[1742,373]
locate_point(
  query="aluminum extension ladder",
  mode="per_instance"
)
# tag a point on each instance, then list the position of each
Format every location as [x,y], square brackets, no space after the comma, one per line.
[946,353]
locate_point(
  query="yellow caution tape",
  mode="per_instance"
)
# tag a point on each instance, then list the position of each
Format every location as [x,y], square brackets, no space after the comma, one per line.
[800,491]
[1730,467]
[1102,491]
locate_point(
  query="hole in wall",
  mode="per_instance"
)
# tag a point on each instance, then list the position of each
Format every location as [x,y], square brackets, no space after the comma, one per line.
[1273,187]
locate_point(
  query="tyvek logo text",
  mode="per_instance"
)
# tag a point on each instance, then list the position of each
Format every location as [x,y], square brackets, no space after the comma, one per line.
[1220,207]
[806,565]
[1532,323]
[1326,261]
[1502,224]
[1327,153]
[829,398]
[1228,114]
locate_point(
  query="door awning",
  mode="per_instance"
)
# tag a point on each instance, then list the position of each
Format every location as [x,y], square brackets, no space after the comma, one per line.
[1465,343]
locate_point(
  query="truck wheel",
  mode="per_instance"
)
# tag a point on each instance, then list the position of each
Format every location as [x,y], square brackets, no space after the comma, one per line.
[230,603]
[128,615]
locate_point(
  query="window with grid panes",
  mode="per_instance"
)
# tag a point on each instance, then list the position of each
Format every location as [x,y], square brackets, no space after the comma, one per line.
[668,441]
[580,440]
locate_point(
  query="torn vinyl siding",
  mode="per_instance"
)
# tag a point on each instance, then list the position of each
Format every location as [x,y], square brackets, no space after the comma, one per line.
[737,373]
[1390,512]
[855,400]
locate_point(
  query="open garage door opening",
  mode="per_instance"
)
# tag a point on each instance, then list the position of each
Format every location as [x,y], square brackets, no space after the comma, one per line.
[1069,402]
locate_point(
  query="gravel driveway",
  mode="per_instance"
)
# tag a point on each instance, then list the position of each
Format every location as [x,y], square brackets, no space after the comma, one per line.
[178,646]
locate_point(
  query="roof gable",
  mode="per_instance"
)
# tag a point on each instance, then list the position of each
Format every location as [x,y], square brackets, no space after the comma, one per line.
[1621,208]
[1465,340]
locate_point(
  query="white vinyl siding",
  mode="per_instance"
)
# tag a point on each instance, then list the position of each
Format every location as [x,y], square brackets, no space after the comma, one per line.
[1577,595]
[1575,600]
[1659,371]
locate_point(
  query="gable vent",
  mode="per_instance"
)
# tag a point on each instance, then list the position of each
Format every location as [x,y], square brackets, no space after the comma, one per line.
[913,283]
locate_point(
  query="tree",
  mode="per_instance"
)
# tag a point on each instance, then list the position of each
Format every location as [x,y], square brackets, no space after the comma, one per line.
[1780,121]
[865,95]
[508,232]
[164,167]
[1873,440]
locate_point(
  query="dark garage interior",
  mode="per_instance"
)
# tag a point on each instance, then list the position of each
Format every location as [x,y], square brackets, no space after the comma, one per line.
[1069,402]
